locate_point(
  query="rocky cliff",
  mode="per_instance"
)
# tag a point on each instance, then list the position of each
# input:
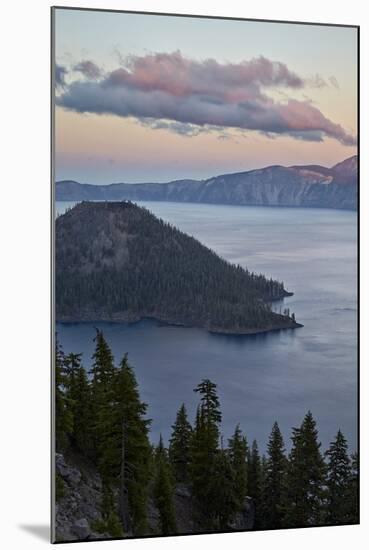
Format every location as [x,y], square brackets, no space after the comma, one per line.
[79,500]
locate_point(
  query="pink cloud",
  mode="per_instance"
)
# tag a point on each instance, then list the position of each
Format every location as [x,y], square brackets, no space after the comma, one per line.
[203,94]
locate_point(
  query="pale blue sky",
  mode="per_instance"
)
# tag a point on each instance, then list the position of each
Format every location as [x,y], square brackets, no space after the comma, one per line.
[307,50]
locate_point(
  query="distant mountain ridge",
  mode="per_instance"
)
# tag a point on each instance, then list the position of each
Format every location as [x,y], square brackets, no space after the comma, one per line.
[305,186]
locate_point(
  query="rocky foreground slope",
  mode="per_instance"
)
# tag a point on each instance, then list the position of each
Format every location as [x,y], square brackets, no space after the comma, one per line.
[79,503]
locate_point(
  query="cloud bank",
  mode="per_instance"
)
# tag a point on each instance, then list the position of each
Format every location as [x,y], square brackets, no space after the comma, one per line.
[88,68]
[188,96]
[60,73]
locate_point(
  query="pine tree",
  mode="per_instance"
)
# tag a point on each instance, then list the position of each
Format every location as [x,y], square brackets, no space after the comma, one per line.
[180,446]
[103,363]
[131,449]
[79,396]
[110,522]
[163,491]
[210,406]
[237,448]
[353,490]
[103,430]
[204,449]
[202,458]
[261,520]
[272,493]
[223,494]
[338,481]
[72,363]
[254,480]
[304,498]
[63,413]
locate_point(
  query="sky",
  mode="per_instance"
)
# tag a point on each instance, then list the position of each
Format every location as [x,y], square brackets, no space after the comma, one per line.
[142,98]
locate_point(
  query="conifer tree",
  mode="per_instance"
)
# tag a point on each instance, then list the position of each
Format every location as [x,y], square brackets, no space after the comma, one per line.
[131,449]
[180,446]
[304,498]
[103,427]
[237,448]
[223,494]
[102,369]
[63,414]
[102,393]
[338,481]
[300,491]
[204,448]
[110,522]
[353,490]
[201,466]
[79,396]
[163,491]
[210,406]
[72,363]
[260,520]
[274,483]
[120,431]
[254,480]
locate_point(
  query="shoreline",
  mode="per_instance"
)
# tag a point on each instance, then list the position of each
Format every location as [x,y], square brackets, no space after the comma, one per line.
[212,330]
[289,206]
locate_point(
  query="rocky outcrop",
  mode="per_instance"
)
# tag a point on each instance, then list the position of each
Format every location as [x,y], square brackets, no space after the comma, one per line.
[183,506]
[245,519]
[77,509]
[306,186]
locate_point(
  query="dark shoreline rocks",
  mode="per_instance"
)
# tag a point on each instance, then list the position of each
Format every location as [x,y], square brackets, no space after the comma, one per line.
[214,330]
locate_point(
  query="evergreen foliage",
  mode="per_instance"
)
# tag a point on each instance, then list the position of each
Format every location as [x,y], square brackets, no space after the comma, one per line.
[163,491]
[254,479]
[205,445]
[223,492]
[78,392]
[103,430]
[353,496]
[102,418]
[305,483]
[338,482]
[118,261]
[180,446]
[275,480]
[63,413]
[238,451]
[110,522]
[133,450]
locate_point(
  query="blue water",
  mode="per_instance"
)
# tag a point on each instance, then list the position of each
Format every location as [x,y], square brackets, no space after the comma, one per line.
[261,378]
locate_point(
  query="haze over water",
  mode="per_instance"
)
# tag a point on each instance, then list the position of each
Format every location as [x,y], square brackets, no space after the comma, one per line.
[261,378]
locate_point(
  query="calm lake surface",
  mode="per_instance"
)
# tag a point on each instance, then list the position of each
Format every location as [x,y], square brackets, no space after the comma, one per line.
[261,378]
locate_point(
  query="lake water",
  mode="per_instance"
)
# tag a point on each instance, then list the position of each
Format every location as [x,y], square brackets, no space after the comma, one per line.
[260,378]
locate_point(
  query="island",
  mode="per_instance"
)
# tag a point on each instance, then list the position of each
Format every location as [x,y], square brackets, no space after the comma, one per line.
[116,261]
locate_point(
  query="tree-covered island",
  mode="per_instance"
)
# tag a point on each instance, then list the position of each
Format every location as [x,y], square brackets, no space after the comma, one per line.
[116,261]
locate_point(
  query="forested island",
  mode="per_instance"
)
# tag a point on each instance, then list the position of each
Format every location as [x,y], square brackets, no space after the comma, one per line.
[116,261]
[112,481]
